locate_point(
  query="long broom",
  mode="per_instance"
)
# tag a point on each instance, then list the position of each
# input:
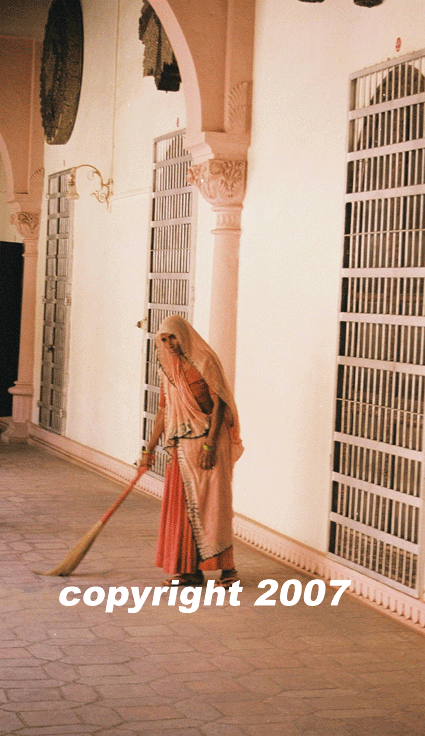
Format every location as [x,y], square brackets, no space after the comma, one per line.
[74,557]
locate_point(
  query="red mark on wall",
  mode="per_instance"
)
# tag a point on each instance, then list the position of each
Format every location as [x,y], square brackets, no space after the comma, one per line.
[398,44]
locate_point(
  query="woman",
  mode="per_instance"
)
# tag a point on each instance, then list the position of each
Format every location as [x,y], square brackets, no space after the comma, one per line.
[198,415]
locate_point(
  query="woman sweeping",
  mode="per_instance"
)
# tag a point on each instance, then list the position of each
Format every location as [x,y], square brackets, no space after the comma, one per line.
[198,415]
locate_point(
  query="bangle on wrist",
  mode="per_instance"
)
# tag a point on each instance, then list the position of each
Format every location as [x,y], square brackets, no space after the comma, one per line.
[146,452]
[208,448]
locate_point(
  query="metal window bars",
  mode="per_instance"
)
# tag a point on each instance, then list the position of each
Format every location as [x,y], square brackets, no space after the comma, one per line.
[377,480]
[57,299]
[170,288]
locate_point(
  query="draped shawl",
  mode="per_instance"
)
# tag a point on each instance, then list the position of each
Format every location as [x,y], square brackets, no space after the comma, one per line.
[208,493]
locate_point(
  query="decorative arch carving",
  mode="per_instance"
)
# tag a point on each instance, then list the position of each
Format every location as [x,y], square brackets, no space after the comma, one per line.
[61,70]
[213,46]
[159,60]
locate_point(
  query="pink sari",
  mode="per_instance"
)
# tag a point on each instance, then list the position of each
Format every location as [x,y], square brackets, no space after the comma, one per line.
[176,548]
[196,520]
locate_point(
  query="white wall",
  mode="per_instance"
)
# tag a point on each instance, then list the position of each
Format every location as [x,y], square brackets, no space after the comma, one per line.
[120,113]
[291,242]
[291,248]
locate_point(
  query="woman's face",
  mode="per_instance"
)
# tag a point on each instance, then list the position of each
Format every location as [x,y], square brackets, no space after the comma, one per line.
[171,343]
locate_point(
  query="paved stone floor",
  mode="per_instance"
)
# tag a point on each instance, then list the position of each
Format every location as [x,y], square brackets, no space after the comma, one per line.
[223,670]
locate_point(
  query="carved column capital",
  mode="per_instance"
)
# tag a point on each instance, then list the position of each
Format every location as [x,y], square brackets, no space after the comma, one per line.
[221,183]
[27,224]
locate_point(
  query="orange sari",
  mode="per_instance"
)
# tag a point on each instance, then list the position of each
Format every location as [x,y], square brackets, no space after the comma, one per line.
[176,548]
[196,519]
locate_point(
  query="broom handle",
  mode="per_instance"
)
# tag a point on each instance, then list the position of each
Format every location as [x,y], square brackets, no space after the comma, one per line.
[123,495]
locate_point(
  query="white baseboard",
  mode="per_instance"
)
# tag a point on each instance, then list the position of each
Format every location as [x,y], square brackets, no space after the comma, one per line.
[400,606]
[404,608]
[93,459]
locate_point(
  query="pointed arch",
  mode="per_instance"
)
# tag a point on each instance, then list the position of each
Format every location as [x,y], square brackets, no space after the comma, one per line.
[185,61]
[10,187]
[213,44]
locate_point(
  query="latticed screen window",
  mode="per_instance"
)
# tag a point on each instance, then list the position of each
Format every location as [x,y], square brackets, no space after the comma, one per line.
[376,518]
[57,299]
[171,262]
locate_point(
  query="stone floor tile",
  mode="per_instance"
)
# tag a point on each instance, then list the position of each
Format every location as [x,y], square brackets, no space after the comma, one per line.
[176,664]
[100,671]
[97,715]
[220,671]
[149,631]
[230,663]
[79,655]
[248,644]
[166,728]
[125,690]
[9,722]
[215,684]
[272,658]
[313,726]
[149,713]
[44,651]
[258,683]
[224,729]
[21,673]
[288,727]
[60,671]
[171,688]
[171,645]
[197,708]
[63,730]
[401,676]
[49,718]
[14,653]
[245,710]
[56,704]
[388,726]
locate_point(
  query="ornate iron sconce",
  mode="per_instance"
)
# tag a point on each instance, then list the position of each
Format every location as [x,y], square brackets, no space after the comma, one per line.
[102,194]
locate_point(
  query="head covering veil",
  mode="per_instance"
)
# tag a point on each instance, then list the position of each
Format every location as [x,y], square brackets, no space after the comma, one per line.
[199,354]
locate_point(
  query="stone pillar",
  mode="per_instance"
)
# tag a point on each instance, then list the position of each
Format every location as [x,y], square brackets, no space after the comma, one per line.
[28,225]
[222,184]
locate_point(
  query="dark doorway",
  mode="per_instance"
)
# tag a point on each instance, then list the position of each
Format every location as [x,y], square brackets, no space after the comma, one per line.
[11,269]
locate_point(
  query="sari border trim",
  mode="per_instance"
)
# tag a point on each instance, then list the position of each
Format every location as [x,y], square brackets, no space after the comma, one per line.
[204,548]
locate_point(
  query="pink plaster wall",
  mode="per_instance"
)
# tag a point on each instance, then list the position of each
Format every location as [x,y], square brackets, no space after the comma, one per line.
[20,123]
[213,44]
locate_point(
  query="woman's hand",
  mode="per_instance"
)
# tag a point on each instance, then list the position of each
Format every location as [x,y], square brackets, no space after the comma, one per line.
[147,459]
[207,457]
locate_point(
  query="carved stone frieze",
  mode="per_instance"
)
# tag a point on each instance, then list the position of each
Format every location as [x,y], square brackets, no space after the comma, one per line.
[220,182]
[36,181]
[27,224]
[61,70]
[237,109]
[159,60]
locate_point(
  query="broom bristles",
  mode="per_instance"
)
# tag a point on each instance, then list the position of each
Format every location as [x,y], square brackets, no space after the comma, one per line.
[74,557]
[77,553]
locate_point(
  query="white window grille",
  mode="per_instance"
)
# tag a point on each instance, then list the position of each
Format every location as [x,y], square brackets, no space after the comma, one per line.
[57,299]
[378,462]
[170,288]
